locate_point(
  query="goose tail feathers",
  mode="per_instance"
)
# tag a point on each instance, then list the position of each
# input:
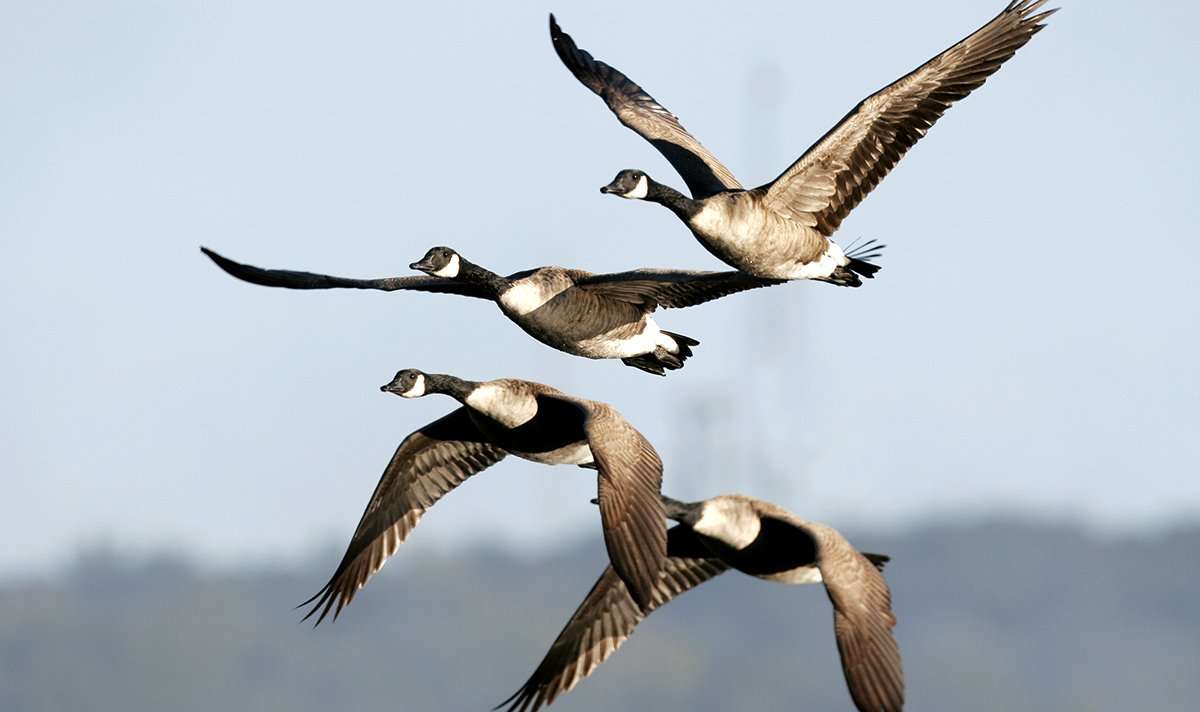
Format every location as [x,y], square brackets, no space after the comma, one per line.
[661,360]
[860,265]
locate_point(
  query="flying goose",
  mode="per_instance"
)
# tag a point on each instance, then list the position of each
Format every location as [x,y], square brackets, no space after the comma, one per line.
[508,417]
[597,316]
[781,230]
[759,539]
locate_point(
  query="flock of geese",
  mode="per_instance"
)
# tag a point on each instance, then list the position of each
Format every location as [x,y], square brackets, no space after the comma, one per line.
[777,232]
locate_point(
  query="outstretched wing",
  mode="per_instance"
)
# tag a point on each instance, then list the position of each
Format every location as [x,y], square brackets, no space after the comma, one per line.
[637,110]
[862,622]
[607,617]
[628,486]
[428,464]
[653,288]
[837,172]
[290,279]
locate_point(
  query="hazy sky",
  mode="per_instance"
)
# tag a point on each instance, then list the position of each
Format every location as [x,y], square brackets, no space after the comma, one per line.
[1030,345]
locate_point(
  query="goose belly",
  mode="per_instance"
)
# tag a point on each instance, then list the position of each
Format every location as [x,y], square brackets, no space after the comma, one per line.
[763,243]
[796,576]
[585,325]
[577,453]
[621,343]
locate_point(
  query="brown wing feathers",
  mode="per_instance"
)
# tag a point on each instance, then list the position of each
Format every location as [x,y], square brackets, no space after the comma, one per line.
[628,482]
[653,288]
[607,617]
[833,176]
[862,623]
[292,279]
[637,110]
[427,465]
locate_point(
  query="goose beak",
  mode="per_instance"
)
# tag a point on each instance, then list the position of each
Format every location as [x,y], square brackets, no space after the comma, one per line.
[610,188]
[389,387]
[422,265]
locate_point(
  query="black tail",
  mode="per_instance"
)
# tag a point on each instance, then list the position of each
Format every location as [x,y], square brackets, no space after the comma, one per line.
[877,559]
[660,360]
[860,264]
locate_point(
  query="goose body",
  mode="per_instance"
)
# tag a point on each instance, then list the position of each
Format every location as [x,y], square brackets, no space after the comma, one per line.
[597,316]
[553,308]
[783,229]
[759,539]
[739,230]
[499,418]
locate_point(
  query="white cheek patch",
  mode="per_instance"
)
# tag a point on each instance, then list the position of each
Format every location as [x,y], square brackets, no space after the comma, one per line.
[450,271]
[418,388]
[639,191]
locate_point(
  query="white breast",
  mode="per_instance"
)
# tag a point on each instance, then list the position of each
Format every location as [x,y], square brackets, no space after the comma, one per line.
[731,525]
[526,296]
[712,219]
[503,405]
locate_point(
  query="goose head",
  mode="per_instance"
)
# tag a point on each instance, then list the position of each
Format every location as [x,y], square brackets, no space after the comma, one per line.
[682,512]
[629,183]
[440,261]
[408,383]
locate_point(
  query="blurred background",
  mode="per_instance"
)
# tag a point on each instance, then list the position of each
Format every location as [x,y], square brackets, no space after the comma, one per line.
[1011,410]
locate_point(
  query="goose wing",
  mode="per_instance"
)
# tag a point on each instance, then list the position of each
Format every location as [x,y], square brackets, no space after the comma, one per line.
[629,482]
[290,279]
[607,617]
[671,288]
[862,623]
[837,172]
[637,110]
[427,465]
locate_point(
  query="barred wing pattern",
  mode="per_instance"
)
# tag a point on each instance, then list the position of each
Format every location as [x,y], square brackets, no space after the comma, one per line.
[291,279]
[637,110]
[862,623]
[653,288]
[607,617]
[629,485]
[838,171]
[427,465]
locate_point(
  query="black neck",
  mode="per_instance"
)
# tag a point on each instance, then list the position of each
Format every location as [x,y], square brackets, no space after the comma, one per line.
[473,273]
[682,512]
[676,202]
[456,388]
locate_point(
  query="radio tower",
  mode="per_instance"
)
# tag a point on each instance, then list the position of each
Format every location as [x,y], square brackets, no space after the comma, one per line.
[756,441]
[772,430]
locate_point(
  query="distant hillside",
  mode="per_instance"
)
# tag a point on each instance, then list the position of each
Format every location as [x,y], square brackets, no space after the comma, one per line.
[999,616]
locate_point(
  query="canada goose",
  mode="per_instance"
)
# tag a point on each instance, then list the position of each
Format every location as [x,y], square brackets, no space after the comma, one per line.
[759,539]
[508,417]
[592,315]
[781,230]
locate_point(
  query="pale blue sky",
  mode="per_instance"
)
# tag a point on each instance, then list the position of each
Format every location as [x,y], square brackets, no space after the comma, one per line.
[1031,344]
